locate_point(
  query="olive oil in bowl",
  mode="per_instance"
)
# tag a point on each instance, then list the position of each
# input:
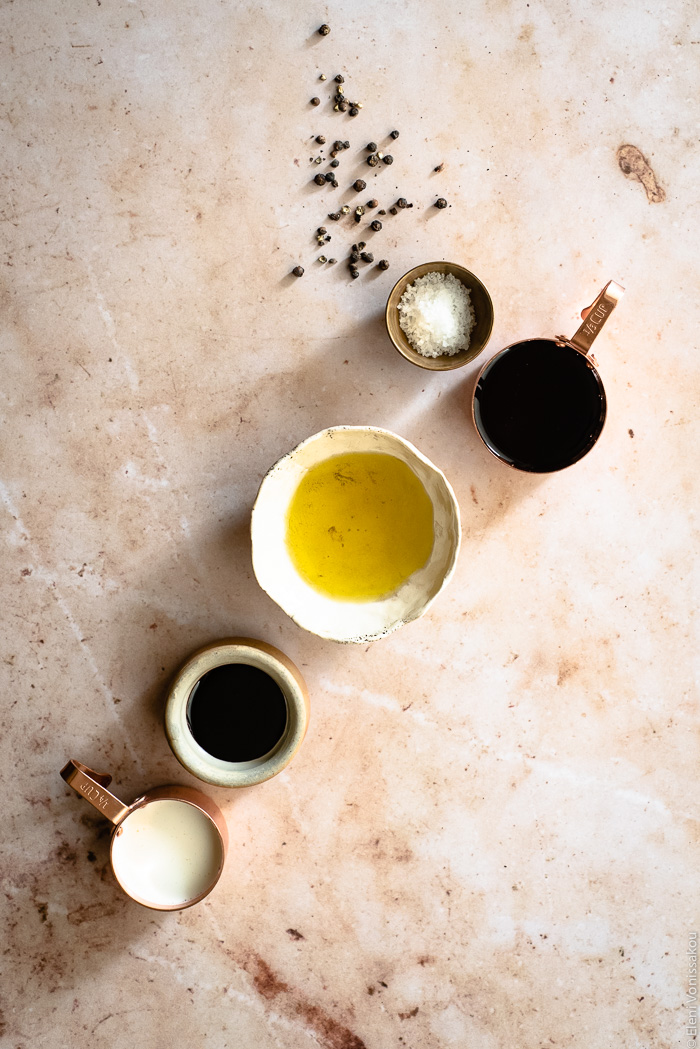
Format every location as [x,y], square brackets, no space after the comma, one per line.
[359,525]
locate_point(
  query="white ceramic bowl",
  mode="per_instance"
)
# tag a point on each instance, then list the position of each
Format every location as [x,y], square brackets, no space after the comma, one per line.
[349,621]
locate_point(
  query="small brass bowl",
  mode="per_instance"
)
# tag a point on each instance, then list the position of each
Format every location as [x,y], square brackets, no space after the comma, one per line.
[481,332]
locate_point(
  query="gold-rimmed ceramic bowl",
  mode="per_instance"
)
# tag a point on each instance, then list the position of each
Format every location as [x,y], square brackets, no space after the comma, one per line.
[481,332]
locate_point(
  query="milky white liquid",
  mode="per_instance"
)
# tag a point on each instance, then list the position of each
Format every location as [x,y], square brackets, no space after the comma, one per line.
[167,853]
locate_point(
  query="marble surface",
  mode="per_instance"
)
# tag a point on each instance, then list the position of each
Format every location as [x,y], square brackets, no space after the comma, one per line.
[489,837]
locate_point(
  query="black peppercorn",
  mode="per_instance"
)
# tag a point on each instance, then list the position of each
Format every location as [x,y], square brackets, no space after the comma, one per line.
[346,144]
[439,167]
[402,202]
[324,30]
[394,134]
[367,256]
[342,107]
[353,111]
[335,163]
[381,211]
[372,203]
[321,139]
[359,212]
[361,245]
[388,159]
[334,215]
[322,258]
[345,209]
[329,176]
[332,262]
[393,211]
[354,256]
[358,185]
[315,101]
[441,203]
[354,248]
[354,272]
[373,160]
[383,264]
[376,225]
[339,95]
[321,230]
[298,271]
[320,179]
[371,147]
[340,79]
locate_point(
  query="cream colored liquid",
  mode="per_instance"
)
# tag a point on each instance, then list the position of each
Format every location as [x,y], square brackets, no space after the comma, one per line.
[167,853]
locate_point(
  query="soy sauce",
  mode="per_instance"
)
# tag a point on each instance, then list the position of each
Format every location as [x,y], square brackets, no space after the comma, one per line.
[237,712]
[539,405]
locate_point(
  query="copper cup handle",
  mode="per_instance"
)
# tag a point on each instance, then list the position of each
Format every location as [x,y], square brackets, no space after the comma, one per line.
[92,785]
[595,316]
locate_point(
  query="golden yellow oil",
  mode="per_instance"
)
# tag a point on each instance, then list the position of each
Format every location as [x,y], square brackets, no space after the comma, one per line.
[359,525]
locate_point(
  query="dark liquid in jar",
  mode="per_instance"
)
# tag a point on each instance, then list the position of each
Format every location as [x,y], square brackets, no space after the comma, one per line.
[539,405]
[237,712]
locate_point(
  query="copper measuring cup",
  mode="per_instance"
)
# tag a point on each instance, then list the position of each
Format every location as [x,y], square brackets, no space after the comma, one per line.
[168,846]
[539,405]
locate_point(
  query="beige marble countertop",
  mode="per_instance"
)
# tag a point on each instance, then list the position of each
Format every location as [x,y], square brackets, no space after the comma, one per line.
[489,837]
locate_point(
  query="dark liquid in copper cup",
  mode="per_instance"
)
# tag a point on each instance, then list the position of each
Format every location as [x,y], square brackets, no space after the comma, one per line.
[539,405]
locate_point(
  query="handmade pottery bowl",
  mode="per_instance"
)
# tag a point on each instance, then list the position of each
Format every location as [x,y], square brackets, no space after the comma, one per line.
[344,620]
[481,332]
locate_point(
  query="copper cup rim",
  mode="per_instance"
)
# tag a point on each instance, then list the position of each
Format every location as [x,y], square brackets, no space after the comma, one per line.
[559,340]
[188,796]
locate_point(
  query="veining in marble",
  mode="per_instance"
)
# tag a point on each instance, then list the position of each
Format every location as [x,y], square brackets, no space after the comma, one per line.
[489,837]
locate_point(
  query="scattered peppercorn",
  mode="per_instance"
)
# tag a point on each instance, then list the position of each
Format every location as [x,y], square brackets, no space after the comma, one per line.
[315,101]
[346,144]
[318,160]
[335,215]
[321,140]
[345,209]
[361,245]
[354,257]
[358,185]
[322,258]
[372,203]
[329,176]
[359,212]
[335,163]
[339,95]
[439,167]
[394,134]
[323,76]
[340,79]
[354,272]
[373,160]
[324,30]
[402,202]
[338,146]
[332,262]
[376,225]
[393,211]
[441,203]
[371,147]
[388,159]
[381,211]
[322,230]
[320,179]
[383,264]
[334,183]
[298,271]
[342,107]
[367,256]
[354,110]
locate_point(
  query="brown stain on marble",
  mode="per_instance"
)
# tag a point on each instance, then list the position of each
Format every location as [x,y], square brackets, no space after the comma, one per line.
[330,1033]
[634,165]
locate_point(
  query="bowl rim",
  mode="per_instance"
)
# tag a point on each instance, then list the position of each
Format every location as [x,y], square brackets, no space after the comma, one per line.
[449,572]
[446,363]
[218,653]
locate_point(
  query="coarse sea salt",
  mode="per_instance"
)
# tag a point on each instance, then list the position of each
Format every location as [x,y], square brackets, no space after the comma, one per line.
[436,315]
